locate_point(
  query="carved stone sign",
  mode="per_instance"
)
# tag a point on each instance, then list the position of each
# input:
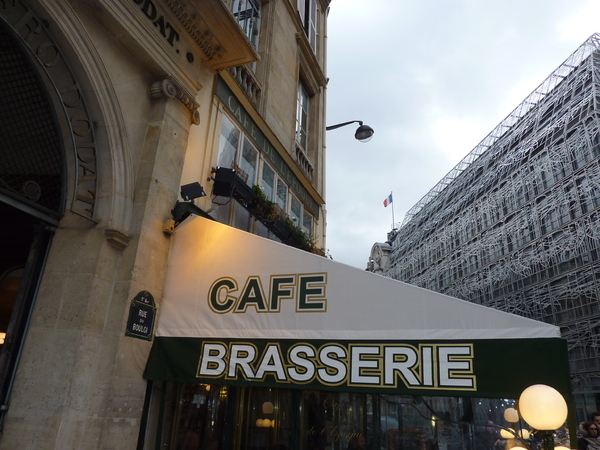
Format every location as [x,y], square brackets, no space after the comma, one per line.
[67,96]
[168,31]
[142,312]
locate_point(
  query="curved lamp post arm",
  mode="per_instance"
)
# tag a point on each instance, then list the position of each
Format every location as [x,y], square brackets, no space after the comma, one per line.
[339,125]
[364,133]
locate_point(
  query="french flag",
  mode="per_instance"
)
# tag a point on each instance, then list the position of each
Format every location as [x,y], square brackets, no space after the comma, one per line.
[387,201]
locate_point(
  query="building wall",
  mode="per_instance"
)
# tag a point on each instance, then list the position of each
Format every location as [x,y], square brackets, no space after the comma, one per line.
[515,225]
[78,382]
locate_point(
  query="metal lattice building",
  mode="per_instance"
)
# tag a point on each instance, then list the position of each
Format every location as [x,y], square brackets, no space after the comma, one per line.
[516,224]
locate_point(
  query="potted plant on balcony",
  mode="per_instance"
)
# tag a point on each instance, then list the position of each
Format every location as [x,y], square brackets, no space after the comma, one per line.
[281,225]
[261,208]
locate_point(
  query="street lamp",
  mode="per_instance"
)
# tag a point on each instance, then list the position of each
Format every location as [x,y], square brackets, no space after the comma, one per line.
[364,133]
[545,409]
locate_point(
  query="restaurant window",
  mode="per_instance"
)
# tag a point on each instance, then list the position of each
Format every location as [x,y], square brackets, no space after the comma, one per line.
[201,416]
[237,151]
[198,417]
[274,187]
[282,192]
[295,210]
[307,222]
[228,143]
[301,218]
[267,183]
[249,163]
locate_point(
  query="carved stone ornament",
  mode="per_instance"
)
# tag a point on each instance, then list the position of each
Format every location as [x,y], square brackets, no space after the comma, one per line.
[379,259]
[117,239]
[169,88]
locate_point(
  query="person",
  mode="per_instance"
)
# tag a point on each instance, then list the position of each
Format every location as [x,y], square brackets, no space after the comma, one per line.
[595,417]
[589,436]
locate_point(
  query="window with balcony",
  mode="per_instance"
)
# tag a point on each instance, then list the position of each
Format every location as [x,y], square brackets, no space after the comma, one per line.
[237,151]
[302,109]
[247,13]
[277,191]
[308,14]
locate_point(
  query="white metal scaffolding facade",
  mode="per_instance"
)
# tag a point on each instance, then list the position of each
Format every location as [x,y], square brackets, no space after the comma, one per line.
[516,224]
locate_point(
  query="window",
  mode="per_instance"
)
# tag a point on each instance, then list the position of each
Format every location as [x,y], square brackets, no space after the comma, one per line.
[217,417]
[236,151]
[247,13]
[302,118]
[228,144]
[268,181]
[248,163]
[295,210]
[301,218]
[308,13]
[277,191]
[282,192]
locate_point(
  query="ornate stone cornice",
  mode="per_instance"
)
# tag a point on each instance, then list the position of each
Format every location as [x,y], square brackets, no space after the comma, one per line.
[214,31]
[198,31]
[169,88]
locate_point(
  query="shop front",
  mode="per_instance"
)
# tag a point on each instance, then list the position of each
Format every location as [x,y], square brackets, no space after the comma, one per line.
[261,346]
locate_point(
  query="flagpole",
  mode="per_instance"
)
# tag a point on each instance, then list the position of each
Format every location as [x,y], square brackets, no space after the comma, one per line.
[393,221]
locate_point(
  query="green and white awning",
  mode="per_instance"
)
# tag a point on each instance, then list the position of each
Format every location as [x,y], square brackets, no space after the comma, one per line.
[239,309]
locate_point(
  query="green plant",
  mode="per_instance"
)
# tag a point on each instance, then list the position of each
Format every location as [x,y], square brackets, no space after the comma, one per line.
[262,208]
[272,211]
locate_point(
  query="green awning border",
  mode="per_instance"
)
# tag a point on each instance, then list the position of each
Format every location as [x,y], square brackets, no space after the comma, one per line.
[503,367]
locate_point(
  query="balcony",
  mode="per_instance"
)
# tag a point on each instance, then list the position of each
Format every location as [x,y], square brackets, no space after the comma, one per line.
[216,32]
[248,82]
[229,183]
[304,163]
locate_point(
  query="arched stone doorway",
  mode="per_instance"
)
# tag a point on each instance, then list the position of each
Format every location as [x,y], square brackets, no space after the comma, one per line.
[32,196]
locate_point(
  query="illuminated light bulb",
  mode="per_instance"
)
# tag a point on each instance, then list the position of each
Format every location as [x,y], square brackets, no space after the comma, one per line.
[259,423]
[267,408]
[524,434]
[266,423]
[507,434]
[272,424]
[543,407]
[511,415]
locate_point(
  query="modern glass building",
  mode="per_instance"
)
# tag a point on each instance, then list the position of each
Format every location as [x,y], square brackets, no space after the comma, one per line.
[516,224]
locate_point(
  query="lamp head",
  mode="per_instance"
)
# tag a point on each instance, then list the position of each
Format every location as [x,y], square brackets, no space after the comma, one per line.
[364,133]
[511,415]
[543,407]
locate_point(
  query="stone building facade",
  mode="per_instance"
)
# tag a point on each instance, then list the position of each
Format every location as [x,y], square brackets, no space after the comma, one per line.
[515,225]
[108,108]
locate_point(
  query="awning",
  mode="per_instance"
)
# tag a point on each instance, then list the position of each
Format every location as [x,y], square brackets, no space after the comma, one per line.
[239,309]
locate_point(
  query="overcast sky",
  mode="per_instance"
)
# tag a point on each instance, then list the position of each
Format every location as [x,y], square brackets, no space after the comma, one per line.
[432,78]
